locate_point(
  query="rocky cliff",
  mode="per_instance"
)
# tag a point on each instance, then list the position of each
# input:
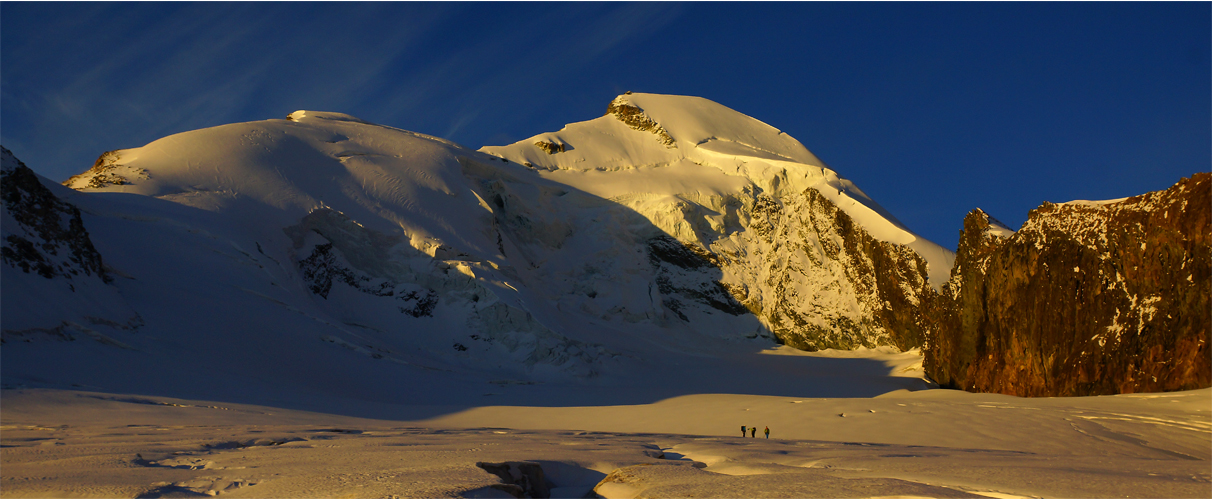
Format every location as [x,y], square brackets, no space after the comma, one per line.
[1086,298]
[46,235]
[55,284]
[818,279]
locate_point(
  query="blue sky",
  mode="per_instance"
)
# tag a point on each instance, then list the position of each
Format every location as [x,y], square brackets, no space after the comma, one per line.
[931,108]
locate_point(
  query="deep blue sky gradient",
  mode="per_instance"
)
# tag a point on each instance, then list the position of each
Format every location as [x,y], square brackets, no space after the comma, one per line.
[931,108]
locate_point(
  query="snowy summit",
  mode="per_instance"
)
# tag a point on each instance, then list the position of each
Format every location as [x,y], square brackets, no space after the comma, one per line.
[690,146]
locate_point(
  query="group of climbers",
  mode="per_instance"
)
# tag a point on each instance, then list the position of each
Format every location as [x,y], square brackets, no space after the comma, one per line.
[753,431]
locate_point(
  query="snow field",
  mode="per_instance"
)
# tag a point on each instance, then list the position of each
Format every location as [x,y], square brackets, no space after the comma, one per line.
[933,444]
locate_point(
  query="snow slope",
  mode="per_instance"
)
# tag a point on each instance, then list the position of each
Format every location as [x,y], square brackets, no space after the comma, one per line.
[315,233]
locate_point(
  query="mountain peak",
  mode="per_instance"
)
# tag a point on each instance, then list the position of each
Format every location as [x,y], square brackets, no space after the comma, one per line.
[995,227]
[701,123]
[690,146]
[653,129]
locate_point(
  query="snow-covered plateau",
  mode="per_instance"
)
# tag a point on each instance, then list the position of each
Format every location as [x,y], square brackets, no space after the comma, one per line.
[319,306]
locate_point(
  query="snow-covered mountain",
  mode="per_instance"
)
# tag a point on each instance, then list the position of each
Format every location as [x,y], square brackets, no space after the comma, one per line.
[818,262]
[670,224]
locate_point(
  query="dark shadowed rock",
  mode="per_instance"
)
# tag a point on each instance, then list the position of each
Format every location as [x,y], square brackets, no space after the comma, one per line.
[527,476]
[49,237]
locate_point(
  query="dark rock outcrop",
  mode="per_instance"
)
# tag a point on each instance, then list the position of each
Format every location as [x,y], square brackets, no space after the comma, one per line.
[106,171]
[520,479]
[1085,299]
[687,273]
[49,237]
[637,119]
[551,147]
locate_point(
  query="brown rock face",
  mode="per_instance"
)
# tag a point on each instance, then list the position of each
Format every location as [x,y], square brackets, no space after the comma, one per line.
[551,147]
[1085,299]
[637,119]
[105,172]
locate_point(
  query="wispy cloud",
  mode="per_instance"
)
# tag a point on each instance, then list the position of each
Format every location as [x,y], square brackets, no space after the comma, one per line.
[545,48]
[121,75]
[157,69]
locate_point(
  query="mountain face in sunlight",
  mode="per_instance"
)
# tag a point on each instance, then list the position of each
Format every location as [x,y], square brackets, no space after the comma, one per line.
[1086,298]
[817,263]
[321,252]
